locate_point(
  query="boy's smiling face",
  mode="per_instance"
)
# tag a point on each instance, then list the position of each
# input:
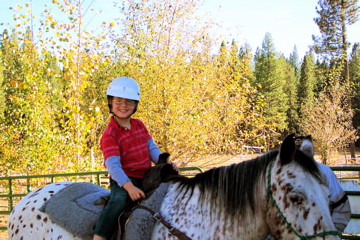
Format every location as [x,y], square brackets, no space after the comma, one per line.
[122,107]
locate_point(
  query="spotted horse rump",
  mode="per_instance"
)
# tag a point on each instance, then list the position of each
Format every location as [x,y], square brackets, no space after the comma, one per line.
[281,193]
[27,222]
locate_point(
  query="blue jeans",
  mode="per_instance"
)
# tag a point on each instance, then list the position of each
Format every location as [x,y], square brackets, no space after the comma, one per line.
[108,218]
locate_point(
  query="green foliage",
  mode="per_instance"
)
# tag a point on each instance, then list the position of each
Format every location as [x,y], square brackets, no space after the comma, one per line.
[271,79]
[291,90]
[200,96]
[307,86]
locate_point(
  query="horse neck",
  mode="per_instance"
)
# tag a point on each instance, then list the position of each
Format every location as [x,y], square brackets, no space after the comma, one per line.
[213,220]
[251,224]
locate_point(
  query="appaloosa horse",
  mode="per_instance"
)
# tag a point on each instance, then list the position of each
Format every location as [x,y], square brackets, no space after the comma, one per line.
[282,193]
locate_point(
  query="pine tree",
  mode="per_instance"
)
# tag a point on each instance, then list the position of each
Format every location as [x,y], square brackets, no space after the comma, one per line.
[354,69]
[334,16]
[290,88]
[294,60]
[306,92]
[271,81]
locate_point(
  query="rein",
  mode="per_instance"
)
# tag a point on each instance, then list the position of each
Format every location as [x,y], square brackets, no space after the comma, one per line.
[172,230]
[270,197]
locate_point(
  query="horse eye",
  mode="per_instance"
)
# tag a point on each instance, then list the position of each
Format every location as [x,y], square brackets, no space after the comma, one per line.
[296,200]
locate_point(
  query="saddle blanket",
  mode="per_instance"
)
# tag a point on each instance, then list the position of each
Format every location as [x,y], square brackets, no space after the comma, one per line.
[73,208]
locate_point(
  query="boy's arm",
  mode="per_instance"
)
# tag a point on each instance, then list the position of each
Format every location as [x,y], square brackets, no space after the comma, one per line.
[115,170]
[154,151]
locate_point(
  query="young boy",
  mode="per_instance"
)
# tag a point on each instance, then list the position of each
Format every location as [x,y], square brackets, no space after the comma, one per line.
[128,150]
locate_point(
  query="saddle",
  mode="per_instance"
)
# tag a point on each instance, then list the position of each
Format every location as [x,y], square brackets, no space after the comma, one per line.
[135,222]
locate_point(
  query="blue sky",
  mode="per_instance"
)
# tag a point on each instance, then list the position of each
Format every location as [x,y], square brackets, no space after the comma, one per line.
[290,22]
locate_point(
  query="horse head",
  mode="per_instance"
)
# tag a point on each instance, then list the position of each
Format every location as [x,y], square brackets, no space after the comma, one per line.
[297,196]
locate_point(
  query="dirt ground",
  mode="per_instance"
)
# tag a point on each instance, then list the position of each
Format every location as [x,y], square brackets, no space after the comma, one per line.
[3,222]
[3,235]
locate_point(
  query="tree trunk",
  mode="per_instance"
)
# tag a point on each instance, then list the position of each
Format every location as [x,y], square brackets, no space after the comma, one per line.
[352,151]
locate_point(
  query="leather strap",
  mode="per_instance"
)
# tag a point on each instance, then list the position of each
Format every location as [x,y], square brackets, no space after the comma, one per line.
[174,231]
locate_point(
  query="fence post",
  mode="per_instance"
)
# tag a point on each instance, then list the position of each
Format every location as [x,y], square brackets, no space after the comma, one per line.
[10,193]
[28,184]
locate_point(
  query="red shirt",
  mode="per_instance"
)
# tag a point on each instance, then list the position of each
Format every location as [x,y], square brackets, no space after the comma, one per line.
[130,144]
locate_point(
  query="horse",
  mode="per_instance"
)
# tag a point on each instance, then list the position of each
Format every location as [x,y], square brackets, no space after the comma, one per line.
[280,193]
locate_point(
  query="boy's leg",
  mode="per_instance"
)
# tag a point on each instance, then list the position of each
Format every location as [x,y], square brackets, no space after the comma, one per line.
[108,218]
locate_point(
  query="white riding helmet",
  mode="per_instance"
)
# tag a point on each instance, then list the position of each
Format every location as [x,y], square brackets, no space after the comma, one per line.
[124,87]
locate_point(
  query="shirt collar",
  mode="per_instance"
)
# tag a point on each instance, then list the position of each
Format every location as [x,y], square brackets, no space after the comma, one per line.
[115,124]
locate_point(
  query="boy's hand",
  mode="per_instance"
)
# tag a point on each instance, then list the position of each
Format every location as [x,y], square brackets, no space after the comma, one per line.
[134,192]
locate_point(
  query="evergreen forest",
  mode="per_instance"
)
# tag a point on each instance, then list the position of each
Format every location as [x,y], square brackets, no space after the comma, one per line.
[201,95]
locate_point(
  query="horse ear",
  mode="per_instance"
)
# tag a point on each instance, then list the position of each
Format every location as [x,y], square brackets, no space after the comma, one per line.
[163,158]
[167,171]
[287,150]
